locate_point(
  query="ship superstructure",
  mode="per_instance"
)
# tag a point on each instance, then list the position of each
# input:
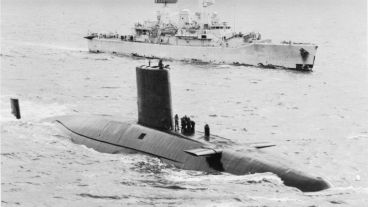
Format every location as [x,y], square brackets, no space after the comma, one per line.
[202,36]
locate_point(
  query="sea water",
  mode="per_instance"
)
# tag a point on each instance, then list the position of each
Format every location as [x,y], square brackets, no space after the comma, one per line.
[317,120]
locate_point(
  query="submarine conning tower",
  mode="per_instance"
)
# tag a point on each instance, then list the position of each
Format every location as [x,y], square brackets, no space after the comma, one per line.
[154,97]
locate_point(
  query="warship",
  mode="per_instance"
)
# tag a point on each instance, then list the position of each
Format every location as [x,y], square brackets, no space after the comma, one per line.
[186,148]
[202,37]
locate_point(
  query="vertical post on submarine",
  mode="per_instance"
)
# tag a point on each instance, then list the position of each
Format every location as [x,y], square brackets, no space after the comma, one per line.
[15,107]
[154,98]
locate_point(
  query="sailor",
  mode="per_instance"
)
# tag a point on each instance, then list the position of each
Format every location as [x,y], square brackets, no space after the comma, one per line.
[160,64]
[149,63]
[206,132]
[176,118]
[192,126]
[182,124]
[187,124]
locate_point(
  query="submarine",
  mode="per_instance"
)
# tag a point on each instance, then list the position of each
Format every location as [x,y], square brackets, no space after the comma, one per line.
[154,135]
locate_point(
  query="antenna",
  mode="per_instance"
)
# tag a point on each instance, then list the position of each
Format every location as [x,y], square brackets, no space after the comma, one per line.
[165,2]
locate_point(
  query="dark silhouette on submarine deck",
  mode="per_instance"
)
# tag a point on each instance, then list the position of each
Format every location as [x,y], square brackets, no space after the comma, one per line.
[154,135]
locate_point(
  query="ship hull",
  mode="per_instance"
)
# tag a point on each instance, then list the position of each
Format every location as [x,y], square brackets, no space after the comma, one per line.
[110,136]
[256,54]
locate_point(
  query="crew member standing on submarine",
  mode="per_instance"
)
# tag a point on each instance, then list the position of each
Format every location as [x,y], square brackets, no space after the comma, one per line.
[160,65]
[182,124]
[207,132]
[176,118]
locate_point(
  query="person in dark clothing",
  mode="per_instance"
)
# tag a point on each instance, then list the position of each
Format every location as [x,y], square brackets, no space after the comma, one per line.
[182,124]
[185,120]
[206,132]
[188,125]
[160,65]
[192,126]
[176,120]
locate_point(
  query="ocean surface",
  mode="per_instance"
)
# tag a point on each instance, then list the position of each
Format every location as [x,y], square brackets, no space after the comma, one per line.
[318,120]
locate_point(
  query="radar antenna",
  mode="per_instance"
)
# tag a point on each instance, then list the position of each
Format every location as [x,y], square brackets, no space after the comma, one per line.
[165,2]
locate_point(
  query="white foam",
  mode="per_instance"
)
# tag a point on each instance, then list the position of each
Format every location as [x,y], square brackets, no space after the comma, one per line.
[50,46]
[359,136]
[195,176]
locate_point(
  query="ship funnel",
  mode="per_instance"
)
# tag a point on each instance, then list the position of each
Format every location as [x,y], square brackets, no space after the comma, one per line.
[154,97]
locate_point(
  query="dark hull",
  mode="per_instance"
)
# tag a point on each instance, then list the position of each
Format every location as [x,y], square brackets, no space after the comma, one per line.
[110,136]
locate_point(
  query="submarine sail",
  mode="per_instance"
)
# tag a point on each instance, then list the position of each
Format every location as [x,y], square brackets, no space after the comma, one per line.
[154,98]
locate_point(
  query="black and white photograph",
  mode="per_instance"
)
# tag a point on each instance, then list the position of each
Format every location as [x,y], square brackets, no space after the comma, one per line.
[254,103]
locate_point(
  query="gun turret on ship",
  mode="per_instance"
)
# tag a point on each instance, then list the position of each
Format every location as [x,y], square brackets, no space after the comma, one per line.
[155,135]
[202,36]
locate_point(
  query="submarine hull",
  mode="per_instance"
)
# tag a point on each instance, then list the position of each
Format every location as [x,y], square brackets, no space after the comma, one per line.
[111,136]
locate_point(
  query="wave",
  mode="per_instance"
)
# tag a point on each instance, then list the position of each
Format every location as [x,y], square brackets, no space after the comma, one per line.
[47,45]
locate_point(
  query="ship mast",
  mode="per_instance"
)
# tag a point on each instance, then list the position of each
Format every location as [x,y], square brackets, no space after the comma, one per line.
[203,4]
[163,14]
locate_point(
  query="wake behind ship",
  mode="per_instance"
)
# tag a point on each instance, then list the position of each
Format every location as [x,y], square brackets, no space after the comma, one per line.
[202,37]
